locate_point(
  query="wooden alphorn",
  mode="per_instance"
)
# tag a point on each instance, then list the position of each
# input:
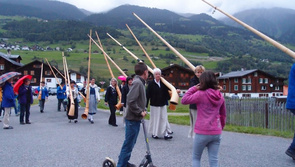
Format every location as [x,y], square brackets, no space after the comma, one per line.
[40,92]
[268,39]
[190,65]
[174,94]
[175,97]
[53,73]
[119,104]
[86,111]
[72,103]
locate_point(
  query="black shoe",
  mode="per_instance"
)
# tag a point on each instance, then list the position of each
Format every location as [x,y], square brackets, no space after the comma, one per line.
[9,127]
[155,137]
[28,122]
[76,121]
[168,137]
[130,165]
[92,122]
[22,123]
[70,121]
[115,125]
[290,153]
[58,110]
[170,133]
[41,111]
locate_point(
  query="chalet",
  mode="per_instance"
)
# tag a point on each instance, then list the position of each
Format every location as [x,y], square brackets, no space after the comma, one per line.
[76,76]
[178,76]
[9,63]
[34,68]
[251,83]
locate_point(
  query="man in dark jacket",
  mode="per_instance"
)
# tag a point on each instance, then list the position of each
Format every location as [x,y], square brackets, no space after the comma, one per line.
[8,102]
[135,108]
[61,96]
[25,97]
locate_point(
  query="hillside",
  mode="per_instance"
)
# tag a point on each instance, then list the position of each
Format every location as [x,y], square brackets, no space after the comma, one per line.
[44,9]
[276,22]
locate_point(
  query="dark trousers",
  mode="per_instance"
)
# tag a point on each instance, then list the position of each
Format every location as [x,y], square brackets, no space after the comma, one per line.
[61,101]
[41,104]
[292,146]
[112,119]
[24,110]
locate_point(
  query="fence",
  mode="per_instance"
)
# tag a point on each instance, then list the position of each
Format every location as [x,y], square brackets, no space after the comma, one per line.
[259,112]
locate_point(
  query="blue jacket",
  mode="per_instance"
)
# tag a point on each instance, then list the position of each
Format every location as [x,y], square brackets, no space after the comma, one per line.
[61,93]
[44,93]
[291,89]
[8,96]
[25,95]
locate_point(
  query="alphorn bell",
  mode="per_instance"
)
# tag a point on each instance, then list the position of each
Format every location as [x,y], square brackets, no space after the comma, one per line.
[174,94]
[40,92]
[86,111]
[268,39]
[175,97]
[119,104]
[72,104]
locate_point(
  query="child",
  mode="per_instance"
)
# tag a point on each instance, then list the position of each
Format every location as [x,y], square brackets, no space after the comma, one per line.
[210,117]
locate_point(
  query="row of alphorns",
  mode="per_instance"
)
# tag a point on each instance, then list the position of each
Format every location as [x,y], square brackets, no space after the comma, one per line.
[174,95]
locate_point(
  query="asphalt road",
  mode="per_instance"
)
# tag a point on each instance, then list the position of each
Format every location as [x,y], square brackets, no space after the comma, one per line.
[51,141]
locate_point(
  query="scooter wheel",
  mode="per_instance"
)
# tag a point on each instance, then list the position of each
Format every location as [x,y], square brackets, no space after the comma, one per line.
[108,162]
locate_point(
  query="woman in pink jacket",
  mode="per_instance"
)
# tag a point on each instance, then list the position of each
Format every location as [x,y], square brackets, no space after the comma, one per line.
[210,117]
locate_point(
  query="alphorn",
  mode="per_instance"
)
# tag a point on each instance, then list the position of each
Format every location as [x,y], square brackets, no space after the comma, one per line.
[174,94]
[263,36]
[40,92]
[190,65]
[175,97]
[119,104]
[86,111]
[53,73]
[72,103]
[59,73]
[111,60]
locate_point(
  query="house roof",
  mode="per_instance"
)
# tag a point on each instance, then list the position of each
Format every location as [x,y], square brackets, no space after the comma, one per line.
[5,56]
[236,74]
[177,66]
[14,56]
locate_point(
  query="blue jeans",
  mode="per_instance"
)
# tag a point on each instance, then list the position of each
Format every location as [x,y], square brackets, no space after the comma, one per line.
[131,133]
[292,146]
[212,142]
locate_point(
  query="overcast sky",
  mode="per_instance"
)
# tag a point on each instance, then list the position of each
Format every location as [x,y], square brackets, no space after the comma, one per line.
[184,6]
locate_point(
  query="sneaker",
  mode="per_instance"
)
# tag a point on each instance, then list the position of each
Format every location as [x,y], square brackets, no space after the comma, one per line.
[290,153]
[9,127]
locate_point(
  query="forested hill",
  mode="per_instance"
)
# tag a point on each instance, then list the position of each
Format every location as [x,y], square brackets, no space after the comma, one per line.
[275,22]
[44,9]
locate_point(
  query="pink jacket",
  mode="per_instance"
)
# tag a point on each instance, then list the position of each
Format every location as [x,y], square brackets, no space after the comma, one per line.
[211,112]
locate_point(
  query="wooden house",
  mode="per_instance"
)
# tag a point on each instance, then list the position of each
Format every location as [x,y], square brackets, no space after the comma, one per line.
[9,63]
[251,83]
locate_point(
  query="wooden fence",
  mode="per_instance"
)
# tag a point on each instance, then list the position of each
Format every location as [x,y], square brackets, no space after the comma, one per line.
[259,112]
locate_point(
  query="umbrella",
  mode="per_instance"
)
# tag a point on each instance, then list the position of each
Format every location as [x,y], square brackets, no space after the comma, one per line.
[20,82]
[122,78]
[7,76]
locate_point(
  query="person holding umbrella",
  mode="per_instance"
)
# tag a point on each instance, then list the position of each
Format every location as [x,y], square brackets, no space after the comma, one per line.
[8,102]
[25,97]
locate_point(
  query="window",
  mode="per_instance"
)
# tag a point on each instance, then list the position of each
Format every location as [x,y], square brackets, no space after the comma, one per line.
[277,88]
[260,80]
[224,87]
[244,88]
[25,72]
[34,80]
[32,72]
[244,80]
[47,72]
[236,87]
[263,87]
[249,80]
[224,81]
[37,66]
[48,80]
[1,66]
[255,74]
[249,88]
[265,80]
[236,80]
